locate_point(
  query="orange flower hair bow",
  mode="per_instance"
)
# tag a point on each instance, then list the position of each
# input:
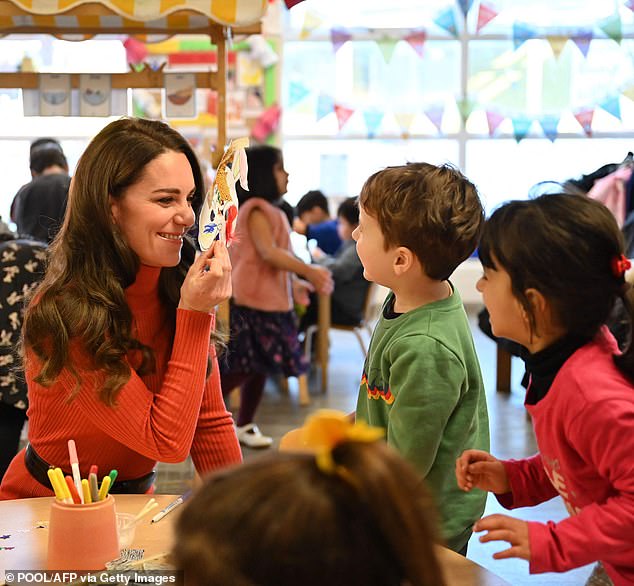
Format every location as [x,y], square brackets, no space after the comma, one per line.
[619,265]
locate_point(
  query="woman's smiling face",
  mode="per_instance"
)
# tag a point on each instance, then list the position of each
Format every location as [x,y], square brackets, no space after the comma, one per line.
[155,213]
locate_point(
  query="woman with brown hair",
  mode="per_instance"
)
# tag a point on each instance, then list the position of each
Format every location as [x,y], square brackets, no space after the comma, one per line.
[116,340]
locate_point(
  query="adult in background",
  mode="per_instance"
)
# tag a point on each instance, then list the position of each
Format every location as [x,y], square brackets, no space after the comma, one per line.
[38,207]
[118,339]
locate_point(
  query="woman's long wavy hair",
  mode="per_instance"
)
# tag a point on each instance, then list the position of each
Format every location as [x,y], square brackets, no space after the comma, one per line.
[82,295]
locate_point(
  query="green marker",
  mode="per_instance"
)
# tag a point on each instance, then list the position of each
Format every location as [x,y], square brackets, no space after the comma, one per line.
[113,476]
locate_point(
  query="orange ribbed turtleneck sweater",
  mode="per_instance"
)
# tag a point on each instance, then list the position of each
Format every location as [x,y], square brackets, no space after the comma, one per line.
[162,416]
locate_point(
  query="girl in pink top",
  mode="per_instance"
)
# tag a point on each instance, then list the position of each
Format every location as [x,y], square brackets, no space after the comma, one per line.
[553,270]
[263,338]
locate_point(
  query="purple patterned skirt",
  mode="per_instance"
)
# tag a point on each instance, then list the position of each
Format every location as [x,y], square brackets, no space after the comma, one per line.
[263,342]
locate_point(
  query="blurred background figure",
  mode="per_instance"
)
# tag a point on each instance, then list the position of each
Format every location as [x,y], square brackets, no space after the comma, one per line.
[313,221]
[38,207]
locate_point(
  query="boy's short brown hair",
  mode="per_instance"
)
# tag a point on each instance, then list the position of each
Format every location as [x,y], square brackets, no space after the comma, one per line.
[433,210]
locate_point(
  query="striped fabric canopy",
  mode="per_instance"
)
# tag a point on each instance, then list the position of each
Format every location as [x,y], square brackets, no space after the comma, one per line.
[137,17]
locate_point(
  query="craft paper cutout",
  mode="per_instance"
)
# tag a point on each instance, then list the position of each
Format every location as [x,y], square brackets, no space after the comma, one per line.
[325,105]
[180,95]
[611,26]
[494,120]
[549,126]
[338,37]
[54,94]
[582,40]
[94,94]
[612,105]
[486,13]
[220,209]
[417,39]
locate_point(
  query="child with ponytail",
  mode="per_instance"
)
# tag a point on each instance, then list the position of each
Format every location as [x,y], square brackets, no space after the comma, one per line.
[553,269]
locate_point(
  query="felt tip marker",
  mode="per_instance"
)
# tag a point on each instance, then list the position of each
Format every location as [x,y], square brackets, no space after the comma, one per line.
[169,508]
[74,465]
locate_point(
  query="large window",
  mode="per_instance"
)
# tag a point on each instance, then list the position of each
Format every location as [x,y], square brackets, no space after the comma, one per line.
[515,92]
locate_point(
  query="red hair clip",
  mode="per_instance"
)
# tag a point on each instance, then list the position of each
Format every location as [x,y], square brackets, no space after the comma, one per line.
[619,265]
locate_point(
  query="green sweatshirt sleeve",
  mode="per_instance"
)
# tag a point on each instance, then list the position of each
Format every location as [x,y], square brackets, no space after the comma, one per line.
[426,380]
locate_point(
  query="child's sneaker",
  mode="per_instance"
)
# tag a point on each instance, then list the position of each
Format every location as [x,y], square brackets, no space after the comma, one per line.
[250,436]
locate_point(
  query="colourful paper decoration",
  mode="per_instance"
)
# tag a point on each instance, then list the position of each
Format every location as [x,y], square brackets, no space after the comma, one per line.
[611,26]
[343,115]
[447,21]
[373,119]
[465,6]
[387,46]
[549,126]
[296,93]
[486,13]
[311,22]
[612,105]
[325,105]
[557,43]
[338,37]
[220,209]
[582,39]
[291,3]
[521,126]
[521,33]
[494,120]
[266,123]
[435,114]
[629,92]
[465,107]
[417,39]
[584,117]
[630,4]
[135,51]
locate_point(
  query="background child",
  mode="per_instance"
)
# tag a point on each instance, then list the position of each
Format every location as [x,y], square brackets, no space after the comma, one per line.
[421,379]
[358,515]
[263,339]
[348,297]
[553,271]
[314,221]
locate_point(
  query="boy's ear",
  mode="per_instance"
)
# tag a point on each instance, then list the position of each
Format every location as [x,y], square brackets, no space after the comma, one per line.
[403,260]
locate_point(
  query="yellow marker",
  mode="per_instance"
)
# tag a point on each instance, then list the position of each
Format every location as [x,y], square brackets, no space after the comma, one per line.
[62,485]
[59,494]
[105,487]
[85,489]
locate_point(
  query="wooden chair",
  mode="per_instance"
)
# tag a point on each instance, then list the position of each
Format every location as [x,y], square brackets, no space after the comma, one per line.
[324,325]
[222,324]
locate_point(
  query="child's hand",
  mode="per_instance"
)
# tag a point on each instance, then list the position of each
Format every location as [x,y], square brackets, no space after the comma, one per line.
[321,278]
[317,253]
[301,289]
[208,281]
[478,469]
[505,528]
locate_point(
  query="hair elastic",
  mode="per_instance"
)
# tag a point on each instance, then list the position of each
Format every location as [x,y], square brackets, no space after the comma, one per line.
[619,265]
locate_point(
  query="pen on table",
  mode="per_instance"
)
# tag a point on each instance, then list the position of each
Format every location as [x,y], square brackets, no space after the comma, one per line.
[169,508]
[74,465]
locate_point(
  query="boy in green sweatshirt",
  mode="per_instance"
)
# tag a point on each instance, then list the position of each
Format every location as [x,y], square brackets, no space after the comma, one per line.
[421,378]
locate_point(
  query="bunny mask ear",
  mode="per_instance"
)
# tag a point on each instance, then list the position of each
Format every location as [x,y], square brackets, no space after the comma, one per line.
[220,208]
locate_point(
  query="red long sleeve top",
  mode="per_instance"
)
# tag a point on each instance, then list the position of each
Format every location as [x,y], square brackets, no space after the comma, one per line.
[162,416]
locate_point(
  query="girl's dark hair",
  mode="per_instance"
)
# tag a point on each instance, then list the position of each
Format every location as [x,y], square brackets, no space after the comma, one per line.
[281,521]
[261,160]
[82,295]
[564,246]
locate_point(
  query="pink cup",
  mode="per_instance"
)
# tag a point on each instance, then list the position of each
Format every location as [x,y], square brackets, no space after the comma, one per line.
[82,537]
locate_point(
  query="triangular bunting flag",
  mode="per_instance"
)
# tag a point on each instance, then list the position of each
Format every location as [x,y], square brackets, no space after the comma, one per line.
[447,20]
[417,40]
[387,46]
[404,120]
[291,3]
[549,126]
[373,119]
[522,33]
[557,43]
[465,107]
[582,40]
[325,105]
[521,126]
[630,4]
[629,92]
[584,117]
[612,105]
[296,93]
[343,115]
[339,36]
[486,13]
[494,120]
[465,6]
[435,114]
[311,22]
[611,26]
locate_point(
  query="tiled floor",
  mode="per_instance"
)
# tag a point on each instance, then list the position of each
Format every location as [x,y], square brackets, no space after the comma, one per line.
[511,437]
